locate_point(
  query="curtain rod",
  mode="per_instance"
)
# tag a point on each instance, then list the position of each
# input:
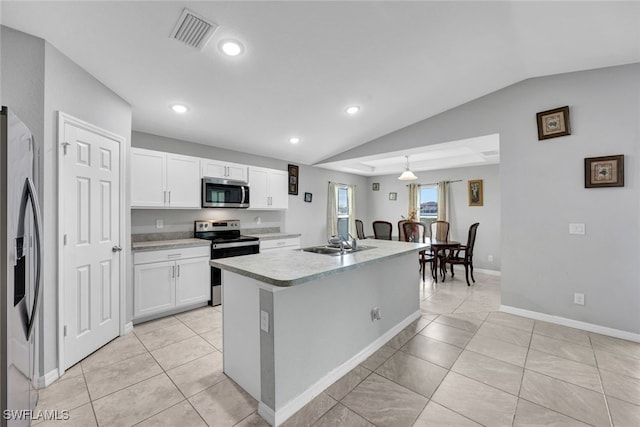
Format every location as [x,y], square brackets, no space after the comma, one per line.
[435,183]
[339,183]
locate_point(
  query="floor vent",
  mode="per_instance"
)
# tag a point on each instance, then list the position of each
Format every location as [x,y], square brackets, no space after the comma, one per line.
[193,30]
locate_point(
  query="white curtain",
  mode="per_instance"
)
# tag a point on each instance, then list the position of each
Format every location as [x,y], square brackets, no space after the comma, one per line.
[332,210]
[443,202]
[351,200]
[414,199]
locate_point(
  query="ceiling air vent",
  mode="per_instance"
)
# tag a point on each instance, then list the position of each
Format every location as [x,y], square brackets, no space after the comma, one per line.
[193,30]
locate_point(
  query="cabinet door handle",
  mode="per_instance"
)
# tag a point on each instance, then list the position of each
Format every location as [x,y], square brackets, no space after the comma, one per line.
[178,270]
[169,197]
[172,272]
[226,171]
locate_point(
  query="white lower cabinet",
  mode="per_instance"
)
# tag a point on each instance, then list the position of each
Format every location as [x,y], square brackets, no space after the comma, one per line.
[166,279]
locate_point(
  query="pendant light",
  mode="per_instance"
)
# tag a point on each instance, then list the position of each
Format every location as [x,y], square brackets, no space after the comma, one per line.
[407,175]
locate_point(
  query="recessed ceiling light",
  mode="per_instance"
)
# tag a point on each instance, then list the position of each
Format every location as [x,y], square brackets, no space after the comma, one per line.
[231,47]
[294,140]
[354,109]
[179,108]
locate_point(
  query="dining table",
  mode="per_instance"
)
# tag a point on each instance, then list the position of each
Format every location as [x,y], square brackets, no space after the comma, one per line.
[436,247]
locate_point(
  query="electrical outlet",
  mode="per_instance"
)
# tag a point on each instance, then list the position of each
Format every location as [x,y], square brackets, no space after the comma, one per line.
[375,314]
[264,321]
[490,258]
[159,223]
[577,229]
[578,298]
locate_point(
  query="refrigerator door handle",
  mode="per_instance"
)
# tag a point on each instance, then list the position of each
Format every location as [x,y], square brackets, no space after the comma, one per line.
[29,195]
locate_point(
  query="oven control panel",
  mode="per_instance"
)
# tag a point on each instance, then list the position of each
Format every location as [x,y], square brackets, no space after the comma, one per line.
[214,225]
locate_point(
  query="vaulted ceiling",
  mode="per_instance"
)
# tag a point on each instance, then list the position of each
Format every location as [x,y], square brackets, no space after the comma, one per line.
[304,62]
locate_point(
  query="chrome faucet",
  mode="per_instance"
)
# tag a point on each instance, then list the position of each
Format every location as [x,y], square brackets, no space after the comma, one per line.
[339,240]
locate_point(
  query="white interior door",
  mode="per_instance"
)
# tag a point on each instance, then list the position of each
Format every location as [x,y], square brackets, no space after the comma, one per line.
[90,183]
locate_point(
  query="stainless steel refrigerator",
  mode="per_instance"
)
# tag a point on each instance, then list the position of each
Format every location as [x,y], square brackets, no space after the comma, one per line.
[21,267]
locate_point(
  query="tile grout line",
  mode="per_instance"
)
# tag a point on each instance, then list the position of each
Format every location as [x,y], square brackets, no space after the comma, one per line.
[604,394]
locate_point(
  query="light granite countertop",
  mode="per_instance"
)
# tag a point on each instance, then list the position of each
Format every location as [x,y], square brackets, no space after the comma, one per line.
[273,236]
[156,245]
[289,268]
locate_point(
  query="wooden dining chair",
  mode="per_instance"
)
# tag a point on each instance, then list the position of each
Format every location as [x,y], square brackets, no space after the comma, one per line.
[360,229]
[401,230]
[439,230]
[382,230]
[416,232]
[466,258]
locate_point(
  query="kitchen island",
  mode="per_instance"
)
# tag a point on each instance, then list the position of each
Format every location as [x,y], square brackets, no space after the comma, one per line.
[294,322]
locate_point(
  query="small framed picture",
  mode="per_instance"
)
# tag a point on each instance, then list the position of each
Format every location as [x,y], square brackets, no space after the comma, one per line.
[375,186]
[393,196]
[294,179]
[475,192]
[553,123]
[607,171]
[308,197]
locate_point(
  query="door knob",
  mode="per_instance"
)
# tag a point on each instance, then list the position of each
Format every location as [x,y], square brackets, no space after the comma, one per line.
[116,248]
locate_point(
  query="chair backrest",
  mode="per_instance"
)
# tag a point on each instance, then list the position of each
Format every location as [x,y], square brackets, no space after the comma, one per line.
[401,236]
[471,239]
[360,229]
[439,230]
[382,230]
[414,232]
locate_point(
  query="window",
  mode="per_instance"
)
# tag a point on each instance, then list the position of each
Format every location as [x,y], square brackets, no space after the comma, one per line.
[428,203]
[343,212]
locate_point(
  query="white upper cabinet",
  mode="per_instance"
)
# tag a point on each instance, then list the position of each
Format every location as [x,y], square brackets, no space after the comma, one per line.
[148,178]
[164,180]
[225,170]
[268,189]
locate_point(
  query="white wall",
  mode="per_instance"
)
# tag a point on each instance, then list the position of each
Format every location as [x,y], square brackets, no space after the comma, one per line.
[542,191]
[38,81]
[461,214]
[308,219]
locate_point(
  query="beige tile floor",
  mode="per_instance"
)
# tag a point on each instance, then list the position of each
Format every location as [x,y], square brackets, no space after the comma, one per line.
[462,364]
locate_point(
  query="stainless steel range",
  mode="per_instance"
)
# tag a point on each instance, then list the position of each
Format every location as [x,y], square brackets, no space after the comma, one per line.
[226,242]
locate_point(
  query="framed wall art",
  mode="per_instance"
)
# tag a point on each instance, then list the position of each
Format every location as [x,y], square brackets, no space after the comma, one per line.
[553,123]
[393,196]
[475,192]
[294,179]
[606,171]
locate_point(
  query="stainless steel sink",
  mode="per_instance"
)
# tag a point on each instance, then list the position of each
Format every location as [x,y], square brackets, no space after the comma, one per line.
[335,251]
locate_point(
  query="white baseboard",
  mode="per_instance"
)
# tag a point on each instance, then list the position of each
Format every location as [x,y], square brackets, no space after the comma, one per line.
[128,327]
[47,379]
[590,327]
[276,418]
[487,272]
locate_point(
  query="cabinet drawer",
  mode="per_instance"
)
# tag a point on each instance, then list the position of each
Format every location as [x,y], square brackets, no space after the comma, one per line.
[171,254]
[290,243]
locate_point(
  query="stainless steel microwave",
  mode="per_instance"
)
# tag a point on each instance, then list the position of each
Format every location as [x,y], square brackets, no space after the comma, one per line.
[224,193]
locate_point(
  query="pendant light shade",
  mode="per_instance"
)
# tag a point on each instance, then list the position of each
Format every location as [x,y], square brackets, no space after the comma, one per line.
[407,175]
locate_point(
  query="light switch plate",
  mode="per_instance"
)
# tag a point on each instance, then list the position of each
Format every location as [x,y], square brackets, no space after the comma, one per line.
[577,229]
[159,223]
[264,321]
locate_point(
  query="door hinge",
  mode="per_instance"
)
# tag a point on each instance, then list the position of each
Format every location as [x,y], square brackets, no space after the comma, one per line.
[65,330]
[64,147]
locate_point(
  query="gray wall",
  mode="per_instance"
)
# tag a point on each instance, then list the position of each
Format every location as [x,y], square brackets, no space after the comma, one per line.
[308,219]
[542,191]
[461,214]
[38,81]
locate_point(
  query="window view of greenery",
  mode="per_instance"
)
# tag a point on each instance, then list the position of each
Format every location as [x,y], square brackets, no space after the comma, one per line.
[343,213]
[428,202]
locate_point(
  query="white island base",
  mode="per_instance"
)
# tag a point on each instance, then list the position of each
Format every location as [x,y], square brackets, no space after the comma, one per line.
[285,345]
